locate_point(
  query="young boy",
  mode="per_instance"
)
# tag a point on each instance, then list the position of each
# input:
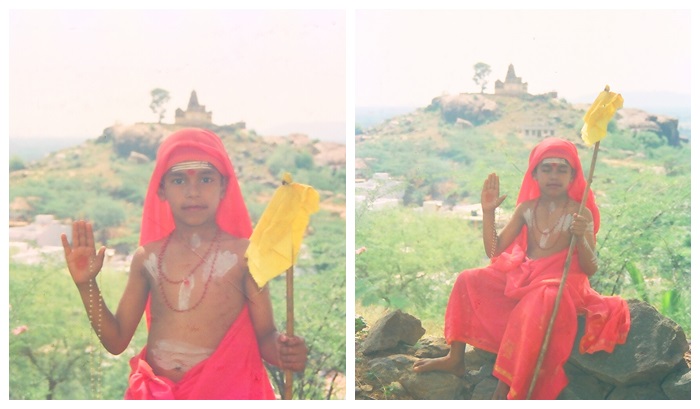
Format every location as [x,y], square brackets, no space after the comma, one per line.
[505,308]
[209,324]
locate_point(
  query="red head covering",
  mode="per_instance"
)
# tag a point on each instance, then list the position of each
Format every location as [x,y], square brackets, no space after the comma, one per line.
[557,148]
[192,144]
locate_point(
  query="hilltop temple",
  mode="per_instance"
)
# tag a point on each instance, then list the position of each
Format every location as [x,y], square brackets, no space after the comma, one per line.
[512,86]
[195,115]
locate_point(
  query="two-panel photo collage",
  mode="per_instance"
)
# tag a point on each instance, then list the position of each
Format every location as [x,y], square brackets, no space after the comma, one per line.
[349,204]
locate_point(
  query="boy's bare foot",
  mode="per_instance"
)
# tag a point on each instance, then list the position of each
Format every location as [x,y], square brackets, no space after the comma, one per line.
[501,392]
[453,365]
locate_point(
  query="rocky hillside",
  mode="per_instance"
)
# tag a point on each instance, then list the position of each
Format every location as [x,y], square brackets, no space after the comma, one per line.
[532,115]
[106,178]
[249,152]
[654,363]
[438,149]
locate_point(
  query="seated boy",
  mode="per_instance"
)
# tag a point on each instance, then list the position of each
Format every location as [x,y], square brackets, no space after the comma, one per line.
[209,325]
[505,308]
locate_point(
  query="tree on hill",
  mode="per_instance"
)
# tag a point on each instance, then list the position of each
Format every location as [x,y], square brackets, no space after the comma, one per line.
[16,163]
[159,97]
[481,73]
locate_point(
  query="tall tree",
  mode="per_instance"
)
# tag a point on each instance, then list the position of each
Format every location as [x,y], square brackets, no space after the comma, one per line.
[159,97]
[481,73]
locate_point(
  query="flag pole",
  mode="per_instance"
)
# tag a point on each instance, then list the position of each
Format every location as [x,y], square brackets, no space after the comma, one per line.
[288,374]
[567,264]
[289,209]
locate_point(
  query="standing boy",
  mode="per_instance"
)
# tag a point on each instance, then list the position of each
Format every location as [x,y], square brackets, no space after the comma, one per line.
[505,308]
[209,325]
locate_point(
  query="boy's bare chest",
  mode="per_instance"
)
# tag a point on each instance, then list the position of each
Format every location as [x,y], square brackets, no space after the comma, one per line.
[194,301]
[192,283]
[548,230]
[186,327]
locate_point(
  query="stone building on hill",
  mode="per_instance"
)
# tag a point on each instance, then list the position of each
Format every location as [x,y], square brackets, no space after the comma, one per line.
[512,86]
[195,115]
[538,130]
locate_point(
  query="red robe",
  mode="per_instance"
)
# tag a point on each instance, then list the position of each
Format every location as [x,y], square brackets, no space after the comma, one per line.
[234,371]
[505,308]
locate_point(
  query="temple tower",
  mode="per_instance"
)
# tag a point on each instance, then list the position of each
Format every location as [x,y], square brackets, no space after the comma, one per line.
[195,115]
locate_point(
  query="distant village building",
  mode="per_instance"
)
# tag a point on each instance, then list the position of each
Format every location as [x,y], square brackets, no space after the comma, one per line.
[195,115]
[538,131]
[379,192]
[512,86]
[45,231]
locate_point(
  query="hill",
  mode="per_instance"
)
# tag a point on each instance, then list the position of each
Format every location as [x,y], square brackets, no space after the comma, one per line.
[659,103]
[469,130]
[367,117]
[115,168]
[418,182]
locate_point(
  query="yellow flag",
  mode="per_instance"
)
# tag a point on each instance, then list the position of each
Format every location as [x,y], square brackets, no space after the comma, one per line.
[595,122]
[277,237]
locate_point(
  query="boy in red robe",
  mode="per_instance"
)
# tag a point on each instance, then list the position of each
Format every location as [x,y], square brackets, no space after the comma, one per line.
[505,308]
[210,326]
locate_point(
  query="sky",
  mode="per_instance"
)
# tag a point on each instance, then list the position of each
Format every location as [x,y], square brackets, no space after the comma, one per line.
[408,57]
[76,72]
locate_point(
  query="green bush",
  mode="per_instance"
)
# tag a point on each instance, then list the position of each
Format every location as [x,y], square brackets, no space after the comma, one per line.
[104,212]
[411,259]
[16,163]
[303,160]
[58,356]
[319,308]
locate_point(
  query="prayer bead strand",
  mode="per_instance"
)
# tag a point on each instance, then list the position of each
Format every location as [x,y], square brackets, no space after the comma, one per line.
[494,242]
[95,353]
[91,346]
[201,261]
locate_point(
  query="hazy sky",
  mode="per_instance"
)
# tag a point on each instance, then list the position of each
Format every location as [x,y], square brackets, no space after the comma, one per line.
[76,72]
[409,57]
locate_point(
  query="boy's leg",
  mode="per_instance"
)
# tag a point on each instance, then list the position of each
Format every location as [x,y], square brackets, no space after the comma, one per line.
[501,392]
[453,362]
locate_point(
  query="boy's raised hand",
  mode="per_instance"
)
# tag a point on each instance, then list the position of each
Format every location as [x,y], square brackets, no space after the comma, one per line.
[490,198]
[83,263]
[292,353]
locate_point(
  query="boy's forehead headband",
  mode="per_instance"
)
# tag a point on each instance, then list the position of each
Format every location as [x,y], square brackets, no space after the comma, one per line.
[554,161]
[194,164]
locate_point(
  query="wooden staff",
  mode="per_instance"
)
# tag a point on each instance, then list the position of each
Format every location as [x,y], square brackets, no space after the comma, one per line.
[288,374]
[567,264]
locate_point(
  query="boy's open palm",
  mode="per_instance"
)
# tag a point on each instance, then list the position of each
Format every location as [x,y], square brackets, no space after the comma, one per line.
[490,198]
[83,263]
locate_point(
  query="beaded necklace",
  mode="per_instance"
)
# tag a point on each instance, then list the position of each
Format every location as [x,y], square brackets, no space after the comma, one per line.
[185,281]
[547,231]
